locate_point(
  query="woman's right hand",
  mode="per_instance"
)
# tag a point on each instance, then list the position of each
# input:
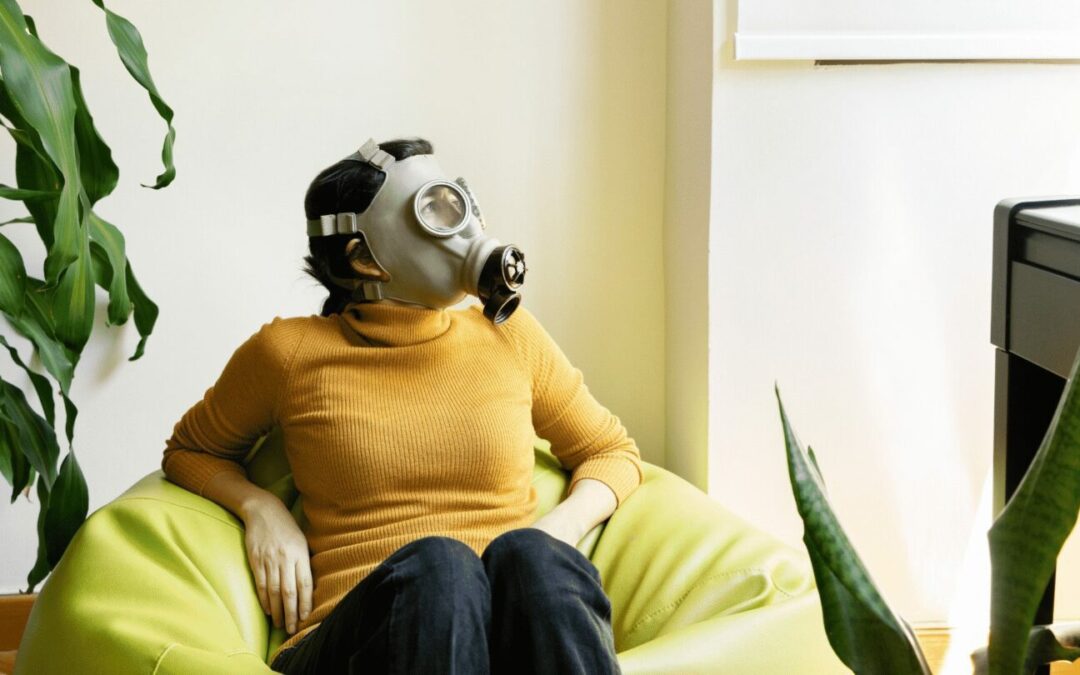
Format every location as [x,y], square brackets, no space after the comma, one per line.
[278,554]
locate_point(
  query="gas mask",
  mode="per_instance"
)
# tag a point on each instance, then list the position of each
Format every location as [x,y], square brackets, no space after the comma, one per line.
[427,234]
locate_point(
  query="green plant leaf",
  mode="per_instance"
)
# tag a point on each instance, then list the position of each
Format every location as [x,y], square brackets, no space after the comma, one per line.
[24,219]
[97,170]
[7,192]
[146,312]
[863,630]
[40,383]
[68,503]
[18,471]
[1045,644]
[107,241]
[36,436]
[35,324]
[12,278]
[132,52]
[39,84]
[73,300]
[33,169]
[41,564]
[1028,534]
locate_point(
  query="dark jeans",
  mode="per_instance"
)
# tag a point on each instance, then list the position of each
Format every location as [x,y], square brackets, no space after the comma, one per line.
[530,604]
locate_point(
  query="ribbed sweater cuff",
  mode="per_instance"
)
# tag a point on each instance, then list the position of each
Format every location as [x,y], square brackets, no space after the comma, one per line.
[193,469]
[619,473]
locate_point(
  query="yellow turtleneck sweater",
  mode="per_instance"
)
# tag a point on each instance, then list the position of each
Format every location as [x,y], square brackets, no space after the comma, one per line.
[401,422]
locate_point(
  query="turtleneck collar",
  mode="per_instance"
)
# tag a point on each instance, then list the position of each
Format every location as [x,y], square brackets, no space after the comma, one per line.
[381,324]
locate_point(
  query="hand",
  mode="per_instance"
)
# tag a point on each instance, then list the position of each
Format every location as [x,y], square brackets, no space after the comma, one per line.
[559,527]
[278,555]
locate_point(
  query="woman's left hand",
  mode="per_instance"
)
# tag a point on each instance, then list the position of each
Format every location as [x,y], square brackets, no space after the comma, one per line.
[559,527]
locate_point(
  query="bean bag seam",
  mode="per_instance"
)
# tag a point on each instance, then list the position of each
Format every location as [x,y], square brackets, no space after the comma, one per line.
[161,656]
[649,618]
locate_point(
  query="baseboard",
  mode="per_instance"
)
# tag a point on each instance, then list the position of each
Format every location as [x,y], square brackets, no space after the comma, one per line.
[934,640]
[14,611]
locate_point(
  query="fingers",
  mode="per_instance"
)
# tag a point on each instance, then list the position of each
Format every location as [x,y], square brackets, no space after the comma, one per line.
[288,595]
[260,584]
[273,588]
[303,585]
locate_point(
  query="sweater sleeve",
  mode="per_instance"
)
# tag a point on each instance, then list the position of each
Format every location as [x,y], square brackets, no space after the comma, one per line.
[585,436]
[215,434]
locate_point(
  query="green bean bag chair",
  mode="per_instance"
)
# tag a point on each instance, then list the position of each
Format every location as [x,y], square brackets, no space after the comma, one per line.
[157,582]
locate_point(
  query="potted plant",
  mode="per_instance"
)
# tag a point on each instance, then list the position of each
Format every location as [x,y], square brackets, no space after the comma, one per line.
[1025,540]
[63,168]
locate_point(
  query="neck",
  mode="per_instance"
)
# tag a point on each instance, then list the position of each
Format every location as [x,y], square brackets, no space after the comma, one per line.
[393,324]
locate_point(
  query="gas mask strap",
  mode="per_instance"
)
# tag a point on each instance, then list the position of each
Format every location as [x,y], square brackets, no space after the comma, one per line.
[361,289]
[369,152]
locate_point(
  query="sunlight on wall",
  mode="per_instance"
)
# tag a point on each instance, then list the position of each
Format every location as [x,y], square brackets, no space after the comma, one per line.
[969,611]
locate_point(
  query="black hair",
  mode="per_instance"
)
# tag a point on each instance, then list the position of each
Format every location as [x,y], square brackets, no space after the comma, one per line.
[347,186]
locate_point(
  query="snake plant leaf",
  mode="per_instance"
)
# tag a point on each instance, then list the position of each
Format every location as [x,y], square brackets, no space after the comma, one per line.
[39,84]
[1028,534]
[68,503]
[73,300]
[146,312]
[36,325]
[12,278]
[132,53]
[1045,644]
[8,192]
[36,437]
[107,240]
[863,630]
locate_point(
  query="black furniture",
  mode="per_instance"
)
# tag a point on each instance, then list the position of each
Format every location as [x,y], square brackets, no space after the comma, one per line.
[1035,325]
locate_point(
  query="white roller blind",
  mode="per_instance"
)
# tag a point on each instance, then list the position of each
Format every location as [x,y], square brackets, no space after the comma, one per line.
[908,29]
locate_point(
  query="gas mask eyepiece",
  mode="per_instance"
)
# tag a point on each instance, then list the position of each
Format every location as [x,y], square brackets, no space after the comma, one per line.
[427,234]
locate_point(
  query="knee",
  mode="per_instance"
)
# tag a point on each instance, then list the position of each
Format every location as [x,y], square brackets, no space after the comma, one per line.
[525,547]
[442,557]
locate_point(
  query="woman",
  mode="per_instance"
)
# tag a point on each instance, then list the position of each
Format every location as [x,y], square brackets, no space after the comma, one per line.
[409,429]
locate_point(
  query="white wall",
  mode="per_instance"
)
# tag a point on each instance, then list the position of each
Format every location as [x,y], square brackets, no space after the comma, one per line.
[850,263]
[686,236]
[554,111]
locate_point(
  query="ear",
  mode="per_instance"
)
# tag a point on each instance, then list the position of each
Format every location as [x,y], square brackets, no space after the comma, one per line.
[362,262]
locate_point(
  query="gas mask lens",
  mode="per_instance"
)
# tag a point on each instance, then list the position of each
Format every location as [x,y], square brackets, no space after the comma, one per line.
[442,208]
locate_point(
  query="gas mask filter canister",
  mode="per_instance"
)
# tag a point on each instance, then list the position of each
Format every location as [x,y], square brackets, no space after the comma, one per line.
[427,234]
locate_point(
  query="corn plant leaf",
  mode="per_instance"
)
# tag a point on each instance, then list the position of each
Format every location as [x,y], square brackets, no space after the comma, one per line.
[8,192]
[863,630]
[12,278]
[108,249]
[73,300]
[35,324]
[33,169]
[39,84]
[132,51]
[1028,534]
[68,503]
[146,312]
[41,565]
[38,381]
[98,171]
[22,473]
[36,437]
